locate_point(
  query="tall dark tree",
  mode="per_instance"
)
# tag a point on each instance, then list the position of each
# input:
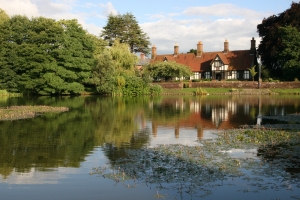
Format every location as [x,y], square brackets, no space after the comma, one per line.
[272,44]
[126,29]
[289,58]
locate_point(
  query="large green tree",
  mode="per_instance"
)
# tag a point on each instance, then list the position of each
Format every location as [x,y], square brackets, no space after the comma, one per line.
[126,29]
[167,70]
[274,42]
[43,56]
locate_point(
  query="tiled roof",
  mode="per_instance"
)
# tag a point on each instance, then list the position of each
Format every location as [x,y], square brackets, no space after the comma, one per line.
[237,60]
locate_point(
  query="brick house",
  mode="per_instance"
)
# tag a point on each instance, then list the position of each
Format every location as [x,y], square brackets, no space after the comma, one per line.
[219,65]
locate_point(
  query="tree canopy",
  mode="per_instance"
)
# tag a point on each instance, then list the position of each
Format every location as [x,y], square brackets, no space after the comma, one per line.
[279,45]
[44,56]
[114,72]
[167,70]
[126,29]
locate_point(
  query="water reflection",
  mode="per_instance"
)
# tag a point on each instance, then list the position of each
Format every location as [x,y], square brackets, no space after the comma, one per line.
[117,124]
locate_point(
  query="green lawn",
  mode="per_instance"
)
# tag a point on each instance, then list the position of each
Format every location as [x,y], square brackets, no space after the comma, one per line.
[286,91]
[190,91]
[212,91]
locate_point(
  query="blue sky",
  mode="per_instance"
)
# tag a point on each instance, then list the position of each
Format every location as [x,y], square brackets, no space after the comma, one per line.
[166,22]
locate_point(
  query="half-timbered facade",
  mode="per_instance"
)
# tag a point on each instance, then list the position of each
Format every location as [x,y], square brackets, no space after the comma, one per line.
[221,65]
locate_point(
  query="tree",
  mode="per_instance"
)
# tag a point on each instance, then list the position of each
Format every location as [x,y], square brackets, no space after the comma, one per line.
[167,70]
[43,56]
[289,58]
[3,16]
[271,45]
[113,65]
[126,29]
[252,72]
[194,51]
[13,36]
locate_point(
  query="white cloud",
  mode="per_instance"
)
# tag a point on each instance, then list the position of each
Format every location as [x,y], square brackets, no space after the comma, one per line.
[18,7]
[237,25]
[108,8]
[221,10]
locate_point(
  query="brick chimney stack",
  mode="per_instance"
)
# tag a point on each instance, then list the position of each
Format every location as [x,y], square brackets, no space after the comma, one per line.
[142,56]
[253,46]
[226,46]
[153,55]
[199,49]
[176,49]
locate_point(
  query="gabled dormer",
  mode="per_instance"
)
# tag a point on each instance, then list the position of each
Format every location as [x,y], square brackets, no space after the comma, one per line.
[219,63]
[168,59]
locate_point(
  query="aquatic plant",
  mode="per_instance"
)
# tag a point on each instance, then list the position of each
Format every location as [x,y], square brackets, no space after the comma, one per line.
[24,112]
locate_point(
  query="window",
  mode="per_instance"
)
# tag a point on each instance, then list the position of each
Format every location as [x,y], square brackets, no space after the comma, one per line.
[207,75]
[217,63]
[196,75]
[246,75]
[234,75]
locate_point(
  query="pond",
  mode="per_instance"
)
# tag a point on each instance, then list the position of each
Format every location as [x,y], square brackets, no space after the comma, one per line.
[149,148]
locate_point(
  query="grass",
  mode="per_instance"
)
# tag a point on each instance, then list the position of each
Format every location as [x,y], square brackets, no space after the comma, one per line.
[216,91]
[286,91]
[191,91]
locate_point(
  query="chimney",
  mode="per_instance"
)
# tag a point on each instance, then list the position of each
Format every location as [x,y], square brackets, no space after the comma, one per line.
[153,55]
[199,49]
[176,49]
[253,46]
[142,56]
[226,46]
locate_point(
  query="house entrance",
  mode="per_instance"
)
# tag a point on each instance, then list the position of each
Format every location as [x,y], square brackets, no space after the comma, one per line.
[218,77]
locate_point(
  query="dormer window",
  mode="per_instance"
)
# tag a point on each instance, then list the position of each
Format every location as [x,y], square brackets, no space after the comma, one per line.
[218,64]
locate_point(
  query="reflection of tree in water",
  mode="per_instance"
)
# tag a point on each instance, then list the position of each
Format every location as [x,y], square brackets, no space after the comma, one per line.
[137,141]
[48,141]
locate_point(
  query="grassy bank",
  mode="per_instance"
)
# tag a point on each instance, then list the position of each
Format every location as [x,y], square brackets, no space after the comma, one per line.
[228,91]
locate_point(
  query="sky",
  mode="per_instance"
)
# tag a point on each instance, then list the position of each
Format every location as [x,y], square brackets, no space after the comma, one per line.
[166,22]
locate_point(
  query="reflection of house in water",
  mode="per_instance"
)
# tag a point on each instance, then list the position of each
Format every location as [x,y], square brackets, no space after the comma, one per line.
[203,115]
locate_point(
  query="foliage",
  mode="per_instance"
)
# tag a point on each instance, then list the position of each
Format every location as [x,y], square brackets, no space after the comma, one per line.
[124,60]
[252,72]
[126,29]
[194,51]
[43,56]
[3,16]
[289,58]
[200,91]
[167,70]
[114,72]
[155,89]
[277,33]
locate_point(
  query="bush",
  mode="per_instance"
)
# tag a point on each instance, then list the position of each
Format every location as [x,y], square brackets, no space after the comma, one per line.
[155,89]
[200,91]
[186,85]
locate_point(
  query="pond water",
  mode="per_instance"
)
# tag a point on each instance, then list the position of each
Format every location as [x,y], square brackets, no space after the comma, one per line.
[117,148]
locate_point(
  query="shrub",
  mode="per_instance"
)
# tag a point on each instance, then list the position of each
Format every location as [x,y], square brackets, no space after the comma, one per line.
[155,89]
[200,91]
